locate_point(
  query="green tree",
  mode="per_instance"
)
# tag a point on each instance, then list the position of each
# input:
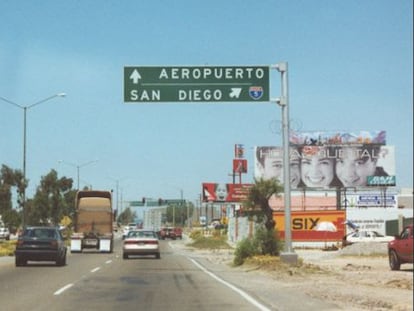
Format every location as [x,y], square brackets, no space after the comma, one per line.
[257,207]
[126,216]
[10,180]
[53,200]
[257,202]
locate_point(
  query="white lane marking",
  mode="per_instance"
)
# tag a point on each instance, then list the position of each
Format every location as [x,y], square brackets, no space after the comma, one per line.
[234,288]
[60,291]
[96,269]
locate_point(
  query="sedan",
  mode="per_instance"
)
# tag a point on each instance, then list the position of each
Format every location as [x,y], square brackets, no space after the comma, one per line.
[366,236]
[141,242]
[40,244]
[4,233]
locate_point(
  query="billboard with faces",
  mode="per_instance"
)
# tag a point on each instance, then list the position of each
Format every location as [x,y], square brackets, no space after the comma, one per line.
[221,192]
[330,166]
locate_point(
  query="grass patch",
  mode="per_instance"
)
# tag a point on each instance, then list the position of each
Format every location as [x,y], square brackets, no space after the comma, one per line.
[274,264]
[212,242]
[7,248]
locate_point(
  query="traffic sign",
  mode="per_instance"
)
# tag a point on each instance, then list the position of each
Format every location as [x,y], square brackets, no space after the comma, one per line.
[196,84]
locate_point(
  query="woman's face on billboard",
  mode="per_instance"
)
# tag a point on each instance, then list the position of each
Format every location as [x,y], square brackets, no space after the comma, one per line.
[317,170]
[353,168]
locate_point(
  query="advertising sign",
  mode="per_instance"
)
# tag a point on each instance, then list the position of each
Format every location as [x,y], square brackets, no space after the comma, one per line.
[238,151]
[220,192]
[337,138]
[240,165]
[314,226]
[330,166]
[357,200]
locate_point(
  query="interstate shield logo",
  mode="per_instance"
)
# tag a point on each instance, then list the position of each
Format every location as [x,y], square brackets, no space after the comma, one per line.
[255,92]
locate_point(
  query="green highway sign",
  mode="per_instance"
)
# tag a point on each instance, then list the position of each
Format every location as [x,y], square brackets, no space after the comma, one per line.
[196,84]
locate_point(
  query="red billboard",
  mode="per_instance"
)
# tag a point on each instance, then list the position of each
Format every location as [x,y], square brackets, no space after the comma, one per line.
[239,165]
[220,192]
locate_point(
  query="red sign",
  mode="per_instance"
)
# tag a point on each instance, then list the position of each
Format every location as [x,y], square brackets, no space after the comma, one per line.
[216,192]
[240,165]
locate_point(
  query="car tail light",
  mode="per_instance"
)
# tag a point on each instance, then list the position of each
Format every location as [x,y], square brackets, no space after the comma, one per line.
[19,243]
[130,242]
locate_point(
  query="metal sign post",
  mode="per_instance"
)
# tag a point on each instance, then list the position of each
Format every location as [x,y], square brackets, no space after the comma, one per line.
[288,255]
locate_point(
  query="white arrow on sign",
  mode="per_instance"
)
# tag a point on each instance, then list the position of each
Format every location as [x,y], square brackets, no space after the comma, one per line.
[135,76]
[235,92]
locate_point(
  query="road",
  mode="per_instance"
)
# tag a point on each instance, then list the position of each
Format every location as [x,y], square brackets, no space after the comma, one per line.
[94,281]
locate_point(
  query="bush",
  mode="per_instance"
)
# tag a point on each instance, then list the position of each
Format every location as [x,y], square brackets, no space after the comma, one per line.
[264,242]
[245,248]
[267,242]
[210,243]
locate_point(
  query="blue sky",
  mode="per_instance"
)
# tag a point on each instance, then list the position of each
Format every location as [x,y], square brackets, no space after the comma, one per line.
[350,69]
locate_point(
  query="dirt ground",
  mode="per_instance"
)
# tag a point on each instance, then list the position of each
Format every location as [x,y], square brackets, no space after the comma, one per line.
[355,282]
[355,278]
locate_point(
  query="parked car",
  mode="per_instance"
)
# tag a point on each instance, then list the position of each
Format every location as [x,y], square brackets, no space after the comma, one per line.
[4,233]
[40,244]
[141,242]
[365,236]
[400,250]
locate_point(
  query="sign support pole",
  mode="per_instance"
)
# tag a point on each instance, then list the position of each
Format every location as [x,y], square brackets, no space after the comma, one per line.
[288,256]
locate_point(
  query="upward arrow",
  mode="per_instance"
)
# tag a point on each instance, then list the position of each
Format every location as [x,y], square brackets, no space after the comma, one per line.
[135,76]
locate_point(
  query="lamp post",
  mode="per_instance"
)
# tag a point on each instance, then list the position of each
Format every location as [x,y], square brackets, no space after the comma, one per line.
[78,167]
[288,255]
[25,108]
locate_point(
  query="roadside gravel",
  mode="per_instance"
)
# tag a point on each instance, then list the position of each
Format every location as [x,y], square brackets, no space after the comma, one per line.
[354,278]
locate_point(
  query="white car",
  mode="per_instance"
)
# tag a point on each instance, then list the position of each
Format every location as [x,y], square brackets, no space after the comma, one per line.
[128,228]
[4,233]
[366,236]
[141,242]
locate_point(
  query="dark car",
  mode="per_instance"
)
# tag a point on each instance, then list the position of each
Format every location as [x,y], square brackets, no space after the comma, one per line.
[40,244]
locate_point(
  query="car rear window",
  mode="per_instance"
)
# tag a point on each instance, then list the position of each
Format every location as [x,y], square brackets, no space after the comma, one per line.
[40,233]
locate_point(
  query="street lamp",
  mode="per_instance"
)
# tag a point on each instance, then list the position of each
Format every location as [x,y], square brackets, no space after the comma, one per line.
[78,166]
[289,254]
[25,108]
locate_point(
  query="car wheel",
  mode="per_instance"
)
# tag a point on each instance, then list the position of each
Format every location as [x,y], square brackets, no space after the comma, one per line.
[394,261]
[124,256]
[20,262]
[158,256]
[61,261]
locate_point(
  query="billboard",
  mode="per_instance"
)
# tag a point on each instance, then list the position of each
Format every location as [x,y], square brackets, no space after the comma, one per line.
[330,166]
[337,138]
[239,166]
[220,192]
[304,225]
